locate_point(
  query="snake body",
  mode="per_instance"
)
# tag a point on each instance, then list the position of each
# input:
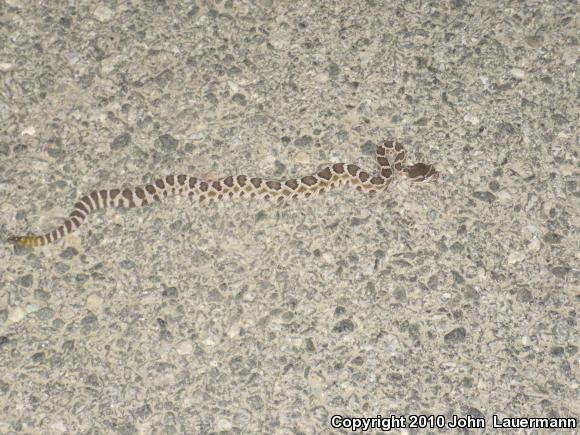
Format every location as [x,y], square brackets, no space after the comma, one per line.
[390,158]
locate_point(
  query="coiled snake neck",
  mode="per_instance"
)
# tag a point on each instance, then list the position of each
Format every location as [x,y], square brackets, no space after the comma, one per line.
[390,158]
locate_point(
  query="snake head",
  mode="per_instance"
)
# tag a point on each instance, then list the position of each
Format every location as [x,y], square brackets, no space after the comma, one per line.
[420,173]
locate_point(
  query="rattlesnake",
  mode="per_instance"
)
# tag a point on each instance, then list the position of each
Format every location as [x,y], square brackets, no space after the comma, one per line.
[390,158]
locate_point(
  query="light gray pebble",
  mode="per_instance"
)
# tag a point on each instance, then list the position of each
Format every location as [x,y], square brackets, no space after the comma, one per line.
[455,336]
[485,196]
[344,326]
[121,141]
[167,142]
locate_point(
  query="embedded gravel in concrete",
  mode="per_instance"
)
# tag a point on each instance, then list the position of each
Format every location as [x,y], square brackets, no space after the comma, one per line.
[456,298]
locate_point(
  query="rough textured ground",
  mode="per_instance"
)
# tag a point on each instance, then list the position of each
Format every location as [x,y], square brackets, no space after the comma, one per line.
[455,298]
